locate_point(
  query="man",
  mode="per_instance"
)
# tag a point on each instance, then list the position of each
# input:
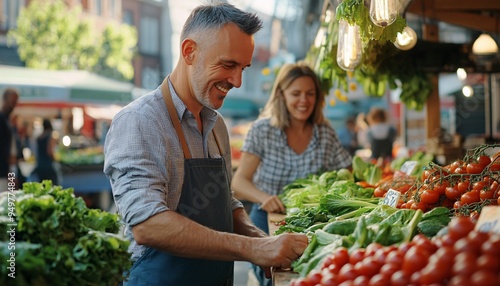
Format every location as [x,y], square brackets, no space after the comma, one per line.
[7,151]
[168,159]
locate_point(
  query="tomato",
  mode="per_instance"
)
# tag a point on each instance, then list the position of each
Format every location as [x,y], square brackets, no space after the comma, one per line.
[340,256]
[491,246]
[452,193]
[463,186]
[495,186]
[314,277]
[470,197]
[460,280]
[440,187]
[433,273]
[488,262]
[460,227]
[483,160]
[429,197]
[357,255]
[495,167]
[460,170]
[379,192]
[458,204]
[480,185]
[455,165]
[486,194]
[360,281]
[389,269]
[394,257]
[474,168]
[347,272]
[415,259]
[379,280]
[399,278]
[367,267]
[484,278]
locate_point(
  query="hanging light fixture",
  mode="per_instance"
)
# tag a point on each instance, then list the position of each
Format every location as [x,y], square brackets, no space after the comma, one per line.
[484,45]
[349,46]
[383,12]
[406,39]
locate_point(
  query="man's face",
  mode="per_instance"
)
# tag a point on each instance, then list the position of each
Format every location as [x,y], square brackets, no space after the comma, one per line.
[10,102]
[219,67]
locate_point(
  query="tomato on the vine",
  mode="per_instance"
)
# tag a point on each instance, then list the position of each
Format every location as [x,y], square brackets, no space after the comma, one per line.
[484,160]
[452,193]
[429,197]
[463,186]
[474,168]
[470,197]
[486,194]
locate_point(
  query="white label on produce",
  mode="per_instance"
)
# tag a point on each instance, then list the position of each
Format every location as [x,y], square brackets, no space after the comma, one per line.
[489,220]
[408,167]
[391,198]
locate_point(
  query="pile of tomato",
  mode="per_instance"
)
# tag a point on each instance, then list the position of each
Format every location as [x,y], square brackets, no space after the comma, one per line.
[463,256]
[465,185]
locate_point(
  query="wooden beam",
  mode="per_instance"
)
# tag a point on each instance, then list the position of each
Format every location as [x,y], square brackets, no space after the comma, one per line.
[478,5]
[432,106]
[471,21]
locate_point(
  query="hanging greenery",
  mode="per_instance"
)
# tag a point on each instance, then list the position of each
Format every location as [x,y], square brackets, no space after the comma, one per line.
[383,66]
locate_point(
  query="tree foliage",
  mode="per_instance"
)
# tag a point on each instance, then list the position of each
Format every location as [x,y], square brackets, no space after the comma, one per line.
[49,35]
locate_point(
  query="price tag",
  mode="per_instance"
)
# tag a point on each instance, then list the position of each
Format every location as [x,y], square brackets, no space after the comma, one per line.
[489,220]
[391,198]
[408,167]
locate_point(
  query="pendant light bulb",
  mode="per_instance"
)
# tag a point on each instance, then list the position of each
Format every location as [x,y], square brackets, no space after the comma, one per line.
[406,40]
[484,45]
[383,12]
[349,46]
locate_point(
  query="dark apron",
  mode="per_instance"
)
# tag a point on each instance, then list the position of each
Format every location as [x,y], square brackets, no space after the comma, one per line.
[206,199]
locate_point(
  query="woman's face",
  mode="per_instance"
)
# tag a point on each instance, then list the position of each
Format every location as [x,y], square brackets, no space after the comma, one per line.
[300,98]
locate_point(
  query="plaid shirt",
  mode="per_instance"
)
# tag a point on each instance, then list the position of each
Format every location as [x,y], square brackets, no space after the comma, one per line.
[280,165]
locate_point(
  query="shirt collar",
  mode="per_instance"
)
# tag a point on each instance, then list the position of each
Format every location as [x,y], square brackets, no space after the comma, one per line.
[208,115]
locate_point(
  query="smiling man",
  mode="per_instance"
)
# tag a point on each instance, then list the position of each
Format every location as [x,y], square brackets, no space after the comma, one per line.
[168,158]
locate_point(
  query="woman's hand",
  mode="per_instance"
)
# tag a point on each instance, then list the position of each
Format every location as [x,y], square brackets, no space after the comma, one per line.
[273,204]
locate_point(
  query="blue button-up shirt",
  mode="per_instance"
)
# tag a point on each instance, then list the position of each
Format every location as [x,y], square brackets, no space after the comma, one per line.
[144,160]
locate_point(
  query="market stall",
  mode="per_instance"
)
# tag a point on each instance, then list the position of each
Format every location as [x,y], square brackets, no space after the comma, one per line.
[412,224]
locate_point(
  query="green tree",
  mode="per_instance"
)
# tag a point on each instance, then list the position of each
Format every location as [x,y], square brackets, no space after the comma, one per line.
[49,35]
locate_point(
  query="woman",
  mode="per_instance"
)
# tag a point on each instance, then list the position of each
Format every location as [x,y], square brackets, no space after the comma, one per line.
[45,155]
[290,140]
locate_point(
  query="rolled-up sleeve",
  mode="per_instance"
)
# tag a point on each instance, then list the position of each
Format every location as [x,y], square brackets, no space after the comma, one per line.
[137,174]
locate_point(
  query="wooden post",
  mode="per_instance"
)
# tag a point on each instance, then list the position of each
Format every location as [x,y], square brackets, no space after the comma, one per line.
[433,111]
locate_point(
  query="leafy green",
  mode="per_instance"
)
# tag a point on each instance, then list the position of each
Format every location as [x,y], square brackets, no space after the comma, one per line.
[59,241]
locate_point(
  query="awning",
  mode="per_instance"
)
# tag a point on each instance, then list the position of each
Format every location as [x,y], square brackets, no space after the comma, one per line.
[73,86]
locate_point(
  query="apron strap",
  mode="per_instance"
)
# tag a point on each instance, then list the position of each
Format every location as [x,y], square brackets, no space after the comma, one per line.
[167,97]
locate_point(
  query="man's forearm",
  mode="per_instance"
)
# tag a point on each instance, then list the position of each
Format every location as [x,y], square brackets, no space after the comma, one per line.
[178,235]
[243,224]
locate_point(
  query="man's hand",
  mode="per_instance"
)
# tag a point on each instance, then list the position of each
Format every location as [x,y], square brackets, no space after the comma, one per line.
[278,251]
[273,204]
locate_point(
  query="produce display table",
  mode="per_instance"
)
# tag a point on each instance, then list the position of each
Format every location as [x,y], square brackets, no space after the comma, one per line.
[281,277]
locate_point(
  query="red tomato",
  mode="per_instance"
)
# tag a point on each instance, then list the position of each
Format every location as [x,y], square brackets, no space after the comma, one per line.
[460,227]
[484,278]
[452,193]
[480,185]
[495,167]
[470,197]
[463,186]
[486,194]
[429,197]
[379,192]
[474,168]
[415,259]
[484,160]
[399,278]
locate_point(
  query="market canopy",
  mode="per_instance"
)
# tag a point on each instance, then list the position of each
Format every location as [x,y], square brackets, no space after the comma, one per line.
[71,86]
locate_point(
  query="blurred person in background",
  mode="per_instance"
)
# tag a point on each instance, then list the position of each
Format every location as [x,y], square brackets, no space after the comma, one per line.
[8,150]
[380,134]
[291,139]
[348,135]
[46,144]
[168,158]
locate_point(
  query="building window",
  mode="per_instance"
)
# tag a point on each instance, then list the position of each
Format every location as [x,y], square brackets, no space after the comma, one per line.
[98,7]
[112,8]
[128,17]
[149,36]
[10,11]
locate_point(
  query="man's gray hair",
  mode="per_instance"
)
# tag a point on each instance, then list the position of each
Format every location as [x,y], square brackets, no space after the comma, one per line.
[215,16]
